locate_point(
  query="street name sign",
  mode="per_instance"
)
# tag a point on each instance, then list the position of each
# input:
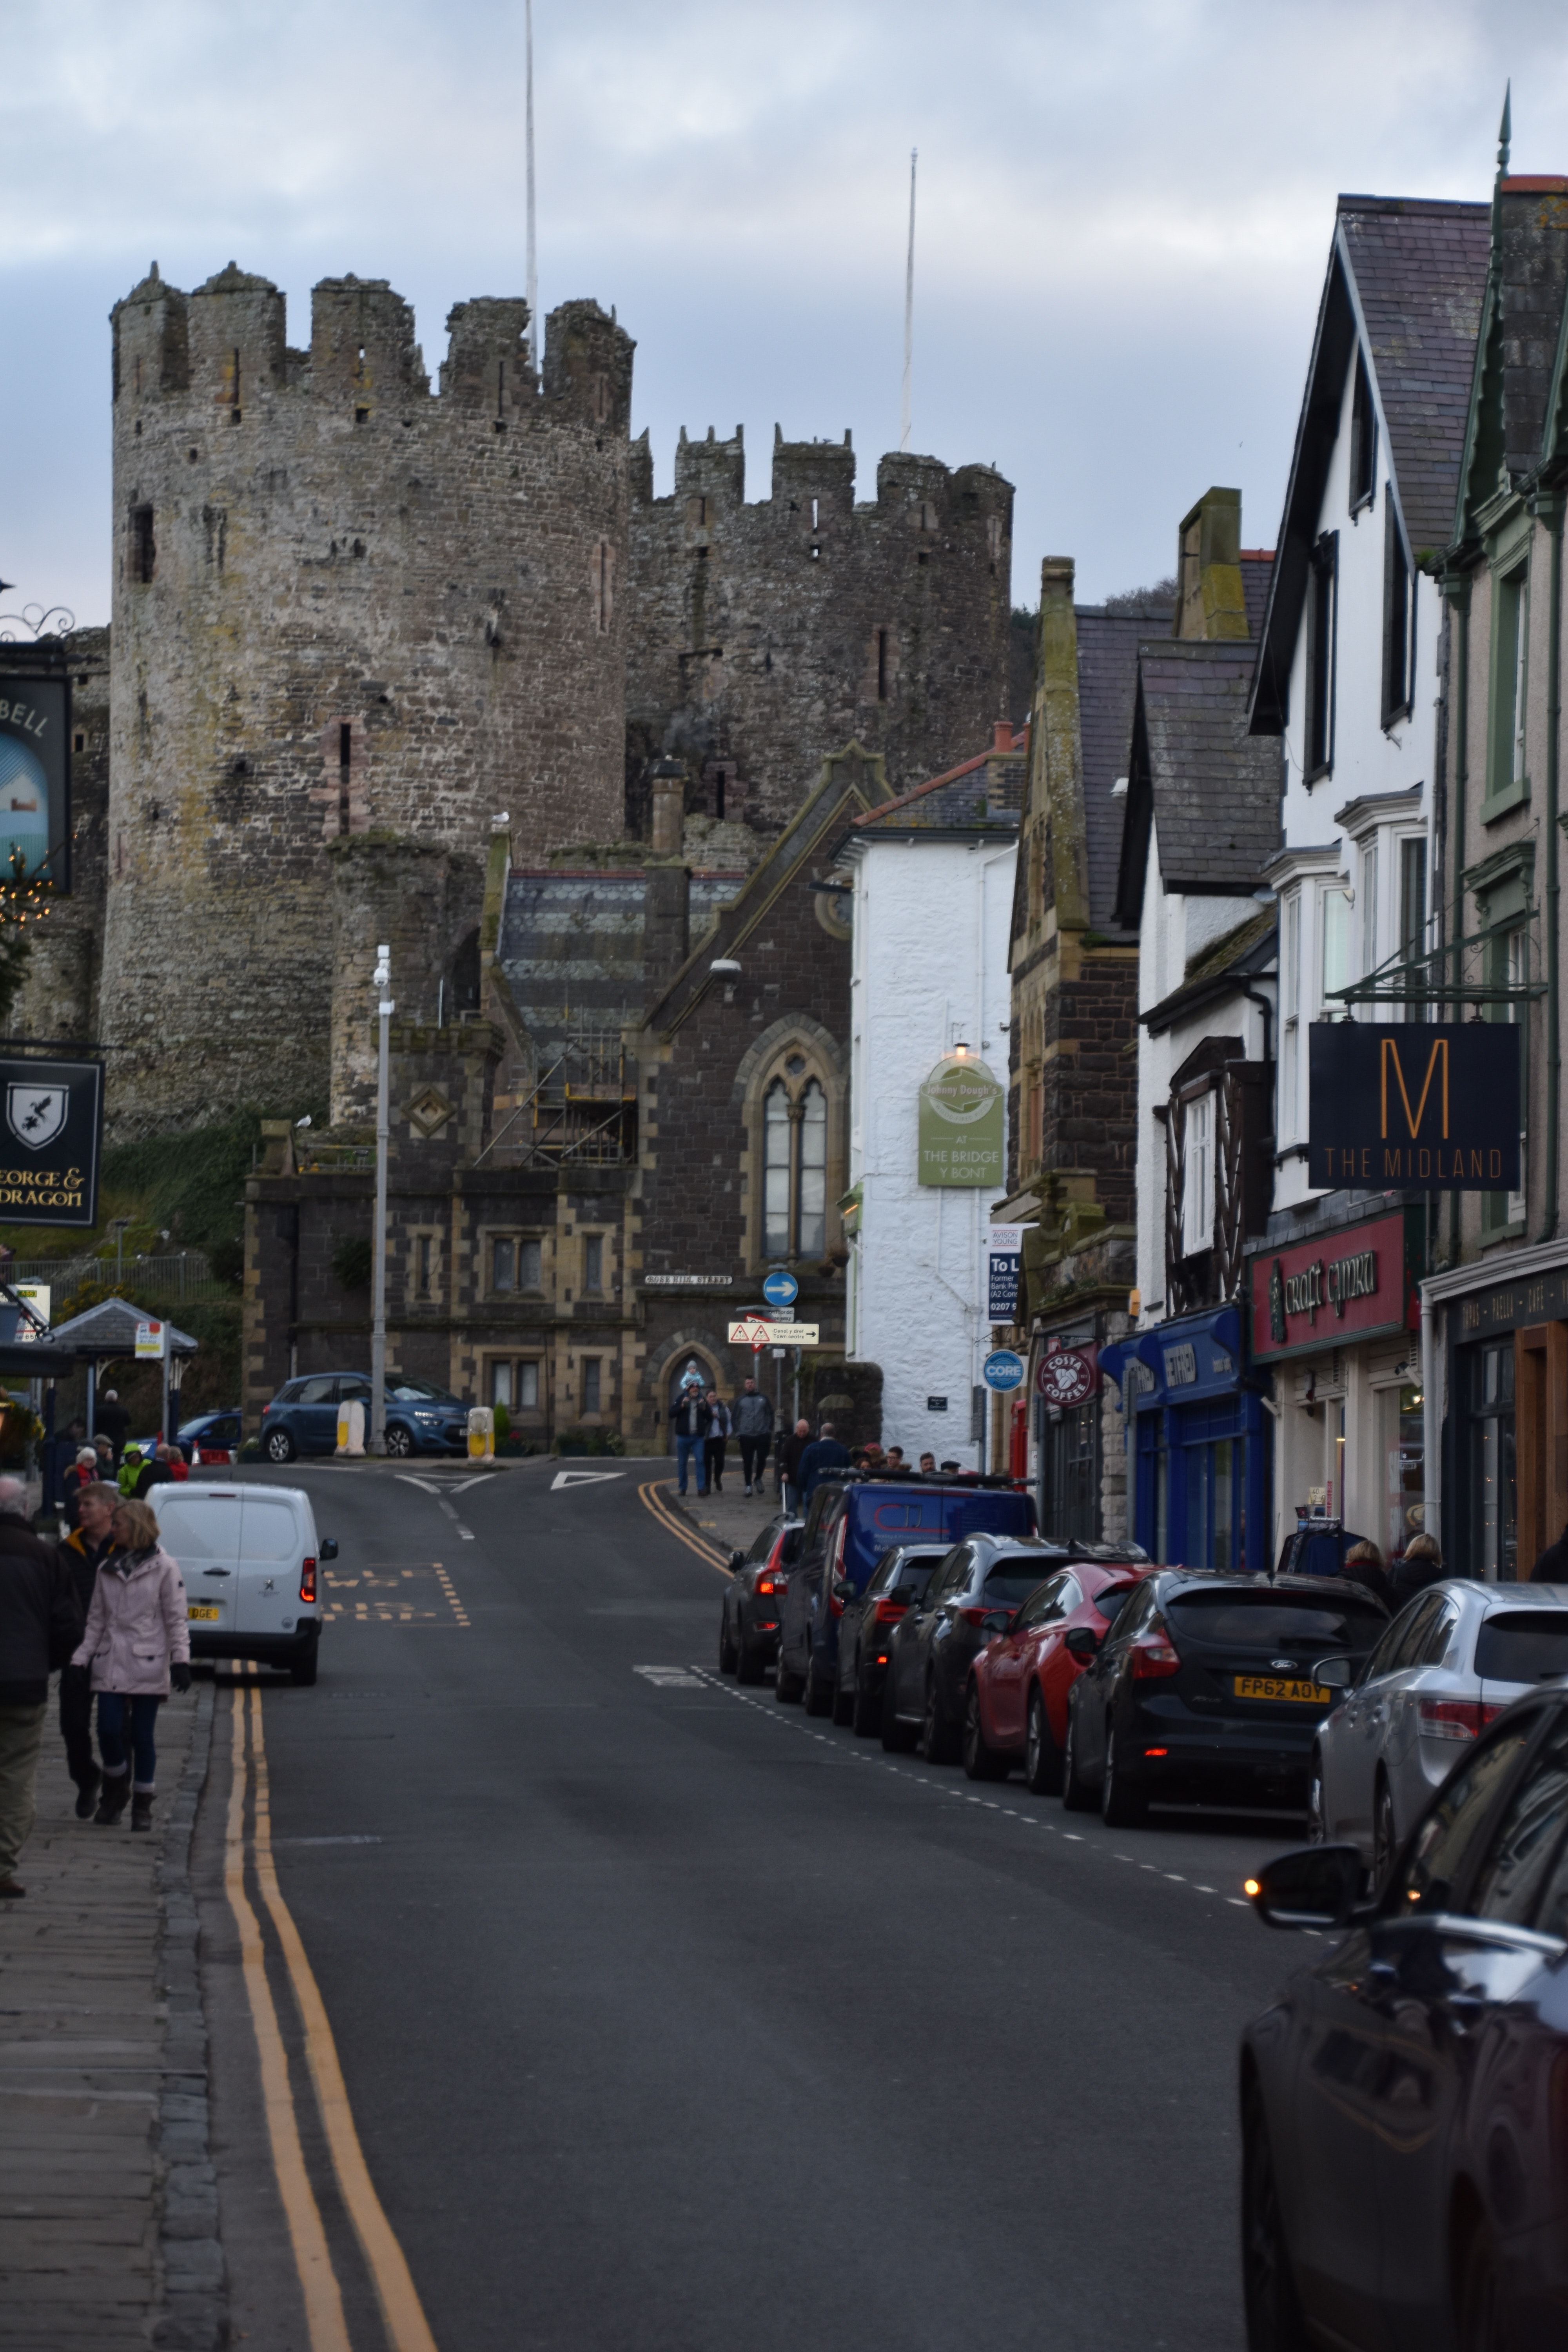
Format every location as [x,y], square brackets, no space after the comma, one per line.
[1417,1107]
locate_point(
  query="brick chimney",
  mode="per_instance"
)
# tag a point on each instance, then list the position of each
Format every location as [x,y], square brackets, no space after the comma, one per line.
[667,891]
[1210,601]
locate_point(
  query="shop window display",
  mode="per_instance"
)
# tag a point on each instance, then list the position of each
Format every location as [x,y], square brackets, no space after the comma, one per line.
[1403,1435]
[1493,1485]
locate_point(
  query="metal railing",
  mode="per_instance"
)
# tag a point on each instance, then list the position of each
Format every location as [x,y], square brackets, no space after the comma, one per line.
[182,1278]
[332,1159]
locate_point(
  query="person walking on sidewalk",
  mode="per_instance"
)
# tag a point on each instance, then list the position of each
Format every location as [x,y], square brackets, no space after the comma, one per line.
[82,1554]
[753,1422]
[138,1643]
[83,1472]
[790,1451]
[718,1426]
[39,1624]
[820,1461]
[691,1419]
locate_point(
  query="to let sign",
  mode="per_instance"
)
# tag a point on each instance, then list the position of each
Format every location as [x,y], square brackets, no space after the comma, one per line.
[1420,1107]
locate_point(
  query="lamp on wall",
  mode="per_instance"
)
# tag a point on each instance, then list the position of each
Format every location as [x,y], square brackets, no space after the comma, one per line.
[726,969]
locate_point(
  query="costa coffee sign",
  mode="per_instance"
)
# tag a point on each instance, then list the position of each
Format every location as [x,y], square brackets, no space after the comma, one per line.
[1353,1285]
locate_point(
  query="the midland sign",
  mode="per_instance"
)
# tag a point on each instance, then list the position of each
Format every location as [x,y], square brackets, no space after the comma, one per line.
[1420,1107]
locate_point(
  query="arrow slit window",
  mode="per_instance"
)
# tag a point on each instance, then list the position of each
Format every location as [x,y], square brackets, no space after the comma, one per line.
[794,1167]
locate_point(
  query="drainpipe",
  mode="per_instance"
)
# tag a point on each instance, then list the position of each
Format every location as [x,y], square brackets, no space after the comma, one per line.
[1255,997]
[1549,506]
[1461,603]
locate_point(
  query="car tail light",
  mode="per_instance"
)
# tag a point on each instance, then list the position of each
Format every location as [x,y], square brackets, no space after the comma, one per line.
[768,1584]
[308,1579]
[1455,1718]
[891,1608]
[1152,1656]
[1156,1751]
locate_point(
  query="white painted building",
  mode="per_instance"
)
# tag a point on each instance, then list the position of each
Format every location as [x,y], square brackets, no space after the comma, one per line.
[932,882]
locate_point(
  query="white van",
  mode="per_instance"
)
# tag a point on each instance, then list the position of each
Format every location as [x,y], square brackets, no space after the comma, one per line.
[250,1556]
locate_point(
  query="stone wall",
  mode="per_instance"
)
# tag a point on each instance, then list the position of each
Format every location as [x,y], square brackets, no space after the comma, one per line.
[763,634]
[341,604]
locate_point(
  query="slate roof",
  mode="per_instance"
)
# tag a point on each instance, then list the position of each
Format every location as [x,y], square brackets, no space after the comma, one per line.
[1250,948]
[110,1329]
[571,943]
[985,794]
[1256,571]
[1210,790]
[1107,686]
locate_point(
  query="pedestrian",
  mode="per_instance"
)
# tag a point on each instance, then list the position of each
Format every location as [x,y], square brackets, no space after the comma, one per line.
[105,1453]
[82,1473]
[155,1472]
[114,1421]
[138,1643]
[790,1453]
[1365,1564]
[1422,1565]
[1551,1566]
[82,1554]
[820,1461]
[130,1471]
[754,1419]
[713,1444]
[689,1420]
[928,1465]
[39,1626]
[895,1458]
[179,1468]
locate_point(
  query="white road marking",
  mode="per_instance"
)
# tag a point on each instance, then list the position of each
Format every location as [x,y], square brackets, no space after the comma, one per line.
[670,1677]
[466,1534]
[583,1477]
[409,1479]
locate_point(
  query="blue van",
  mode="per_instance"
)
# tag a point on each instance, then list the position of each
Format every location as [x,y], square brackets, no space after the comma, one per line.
[849,1527]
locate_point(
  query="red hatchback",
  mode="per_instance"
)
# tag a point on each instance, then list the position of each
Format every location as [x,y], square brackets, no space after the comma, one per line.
[1015,1708]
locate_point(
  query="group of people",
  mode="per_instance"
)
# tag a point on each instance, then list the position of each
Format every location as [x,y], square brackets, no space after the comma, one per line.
[703,1425]
[106,1608]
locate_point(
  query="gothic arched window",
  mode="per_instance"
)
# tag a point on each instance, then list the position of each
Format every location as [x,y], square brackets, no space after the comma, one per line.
[795,1168]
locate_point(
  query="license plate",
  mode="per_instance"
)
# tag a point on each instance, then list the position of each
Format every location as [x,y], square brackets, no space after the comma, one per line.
[203,1609]
[1271,1686]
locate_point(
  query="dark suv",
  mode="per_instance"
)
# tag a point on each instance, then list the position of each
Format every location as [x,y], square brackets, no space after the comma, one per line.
[1202,1687]
[972,1597]
[302,1418]
[849,1524]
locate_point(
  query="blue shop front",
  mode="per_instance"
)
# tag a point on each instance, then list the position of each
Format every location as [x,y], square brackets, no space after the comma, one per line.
[1198,1445]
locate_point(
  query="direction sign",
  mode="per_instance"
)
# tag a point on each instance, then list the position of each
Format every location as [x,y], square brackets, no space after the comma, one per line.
[755,1333]
[781,1289]
[1003,1369]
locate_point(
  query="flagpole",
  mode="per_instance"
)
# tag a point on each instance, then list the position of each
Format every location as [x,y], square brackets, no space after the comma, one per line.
[908,307]
[532,253]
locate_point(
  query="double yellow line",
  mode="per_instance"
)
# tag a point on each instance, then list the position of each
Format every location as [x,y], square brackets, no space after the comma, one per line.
[670,1519]
[407,2330]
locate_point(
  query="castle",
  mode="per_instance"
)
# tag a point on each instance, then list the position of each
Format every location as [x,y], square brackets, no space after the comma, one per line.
[355,618]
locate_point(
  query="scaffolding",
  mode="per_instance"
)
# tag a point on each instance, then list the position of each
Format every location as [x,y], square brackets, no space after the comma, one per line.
[581,1108]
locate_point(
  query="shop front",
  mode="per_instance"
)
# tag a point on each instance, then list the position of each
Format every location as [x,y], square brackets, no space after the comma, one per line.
[1198,1442]
[1502,1341]
[1335,1316]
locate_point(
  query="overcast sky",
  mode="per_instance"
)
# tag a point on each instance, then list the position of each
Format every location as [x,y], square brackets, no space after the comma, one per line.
[1125,211]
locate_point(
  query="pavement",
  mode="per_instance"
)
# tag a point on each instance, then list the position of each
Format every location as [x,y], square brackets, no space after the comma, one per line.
[108,2200]
[659,2018]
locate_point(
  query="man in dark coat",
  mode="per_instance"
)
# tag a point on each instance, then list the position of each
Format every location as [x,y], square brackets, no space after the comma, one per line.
[112,1421]
[692,1418]
[39,1624]
[1552,1567]
[791,1448]
[820,1461]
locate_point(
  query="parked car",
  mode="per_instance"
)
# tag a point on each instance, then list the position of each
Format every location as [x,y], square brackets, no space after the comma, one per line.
[249,1556]
[215,1432]
[1016,1704]
[302,1418]
[866,1630]
[1405,2146]
[749,1615]
[849,1524]
[1454,1657]
[974,1595]
[1203,1689]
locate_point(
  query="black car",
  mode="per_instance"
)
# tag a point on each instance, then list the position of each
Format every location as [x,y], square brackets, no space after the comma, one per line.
[866,1628]
[972,1595]
[1204,1689]
[749,1619]
[1405,2103]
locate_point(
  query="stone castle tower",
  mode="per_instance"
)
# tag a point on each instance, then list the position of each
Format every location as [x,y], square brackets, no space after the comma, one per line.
[354,620]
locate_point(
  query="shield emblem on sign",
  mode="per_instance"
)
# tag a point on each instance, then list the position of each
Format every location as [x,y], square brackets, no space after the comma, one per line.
[36,1114]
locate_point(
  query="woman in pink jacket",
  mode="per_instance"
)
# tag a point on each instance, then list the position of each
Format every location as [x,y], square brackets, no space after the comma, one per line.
[137,1641]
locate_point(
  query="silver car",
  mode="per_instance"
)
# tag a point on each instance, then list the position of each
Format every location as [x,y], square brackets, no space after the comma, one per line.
[1453,1658]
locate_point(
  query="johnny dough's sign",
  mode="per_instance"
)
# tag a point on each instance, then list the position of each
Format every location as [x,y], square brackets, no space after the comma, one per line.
[1354,1284]
[51,1128]
[35,725]
[1420,1107]
[962,1115]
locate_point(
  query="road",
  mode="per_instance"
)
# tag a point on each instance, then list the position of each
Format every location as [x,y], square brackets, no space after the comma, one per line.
[669,2018]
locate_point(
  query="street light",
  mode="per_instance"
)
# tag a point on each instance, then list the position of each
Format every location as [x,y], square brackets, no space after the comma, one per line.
[385,1009]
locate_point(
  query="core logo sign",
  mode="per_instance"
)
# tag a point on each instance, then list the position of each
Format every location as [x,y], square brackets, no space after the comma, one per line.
[36,1114]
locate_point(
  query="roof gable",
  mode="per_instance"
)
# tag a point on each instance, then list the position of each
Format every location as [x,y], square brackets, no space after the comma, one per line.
[1515,418]
[1210,789]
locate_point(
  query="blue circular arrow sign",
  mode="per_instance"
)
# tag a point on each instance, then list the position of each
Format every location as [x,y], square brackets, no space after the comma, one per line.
[781,1289]
[1003,1368]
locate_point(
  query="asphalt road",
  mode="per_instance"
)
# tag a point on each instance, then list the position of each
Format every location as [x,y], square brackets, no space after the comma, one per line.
[672,2018]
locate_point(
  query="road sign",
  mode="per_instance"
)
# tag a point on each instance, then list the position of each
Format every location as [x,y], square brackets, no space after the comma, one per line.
[781,1289]
[784,1315]
[753,1332]
[1003,1369]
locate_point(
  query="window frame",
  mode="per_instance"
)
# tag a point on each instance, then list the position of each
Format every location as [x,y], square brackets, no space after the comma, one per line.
[515,1239]
[1198,1125]
[1363,439]
[1400,588]
[1288,1087]
[1508,771]
[789,1242]
[1321,679]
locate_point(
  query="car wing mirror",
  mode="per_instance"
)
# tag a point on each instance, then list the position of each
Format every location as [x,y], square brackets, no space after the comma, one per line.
[1082,1642]
[327,1549]
[1340,1673]
[841,1589]
[737,1562]
[999,1621]
[1314,1886]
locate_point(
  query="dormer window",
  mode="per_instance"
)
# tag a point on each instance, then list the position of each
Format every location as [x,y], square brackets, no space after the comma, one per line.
[1363,440]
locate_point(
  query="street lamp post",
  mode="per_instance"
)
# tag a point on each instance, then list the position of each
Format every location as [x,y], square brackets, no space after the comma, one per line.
[377,1442]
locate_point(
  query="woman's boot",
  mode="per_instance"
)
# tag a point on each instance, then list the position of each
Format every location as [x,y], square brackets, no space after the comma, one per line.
[113,1798]
[142,1809]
